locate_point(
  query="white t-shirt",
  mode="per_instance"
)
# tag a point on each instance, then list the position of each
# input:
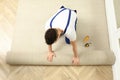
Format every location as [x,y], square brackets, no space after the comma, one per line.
[60,21]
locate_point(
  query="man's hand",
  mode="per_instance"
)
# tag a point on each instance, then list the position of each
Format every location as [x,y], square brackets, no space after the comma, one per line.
[75,61]
[50,56]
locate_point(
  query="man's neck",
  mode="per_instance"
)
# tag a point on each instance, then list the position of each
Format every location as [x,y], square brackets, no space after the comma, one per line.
[59,31]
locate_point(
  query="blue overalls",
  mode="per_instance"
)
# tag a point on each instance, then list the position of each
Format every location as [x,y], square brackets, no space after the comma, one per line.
[68,21]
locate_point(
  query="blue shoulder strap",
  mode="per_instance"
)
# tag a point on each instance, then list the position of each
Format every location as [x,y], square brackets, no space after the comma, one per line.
[55,16]
[69,16]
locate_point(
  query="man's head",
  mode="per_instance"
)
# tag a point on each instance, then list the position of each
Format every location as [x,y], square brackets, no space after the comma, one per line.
[51,36]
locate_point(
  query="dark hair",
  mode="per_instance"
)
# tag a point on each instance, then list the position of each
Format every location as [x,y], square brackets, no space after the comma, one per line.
[51,36]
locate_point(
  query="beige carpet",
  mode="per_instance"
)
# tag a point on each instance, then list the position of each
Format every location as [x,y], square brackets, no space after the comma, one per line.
[28,45]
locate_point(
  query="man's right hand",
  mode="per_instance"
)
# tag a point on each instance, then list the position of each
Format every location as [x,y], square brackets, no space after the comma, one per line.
[50,56]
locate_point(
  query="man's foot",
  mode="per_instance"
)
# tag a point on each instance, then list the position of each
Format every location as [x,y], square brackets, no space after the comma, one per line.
[62,7]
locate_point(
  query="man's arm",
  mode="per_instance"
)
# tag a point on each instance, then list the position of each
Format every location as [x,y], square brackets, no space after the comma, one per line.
[50,48]
[51,53]
[75,58]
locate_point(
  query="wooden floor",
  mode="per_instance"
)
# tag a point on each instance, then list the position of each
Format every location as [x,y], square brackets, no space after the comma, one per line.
[8,9]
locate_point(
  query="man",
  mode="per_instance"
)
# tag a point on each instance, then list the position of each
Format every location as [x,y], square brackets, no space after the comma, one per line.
[62,23]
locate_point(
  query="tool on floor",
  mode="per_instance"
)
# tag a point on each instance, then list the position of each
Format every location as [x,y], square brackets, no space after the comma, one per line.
[85,40]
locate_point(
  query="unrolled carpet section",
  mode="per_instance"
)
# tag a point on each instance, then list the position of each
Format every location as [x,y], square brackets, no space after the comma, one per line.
[28,44]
